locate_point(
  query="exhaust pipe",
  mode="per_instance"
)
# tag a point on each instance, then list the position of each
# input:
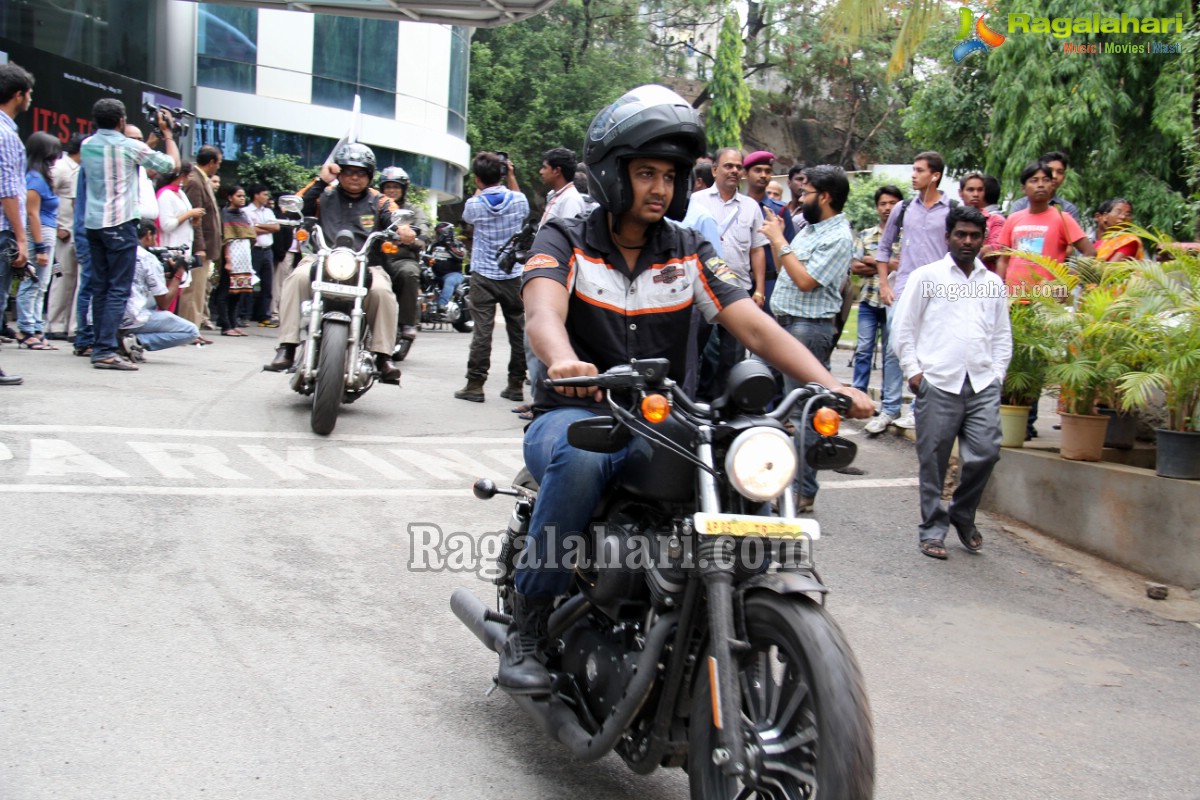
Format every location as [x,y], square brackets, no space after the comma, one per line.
[489,627]
[554,716]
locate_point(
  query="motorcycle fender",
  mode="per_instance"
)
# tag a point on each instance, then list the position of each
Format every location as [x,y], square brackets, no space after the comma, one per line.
[783,583]
[336,316]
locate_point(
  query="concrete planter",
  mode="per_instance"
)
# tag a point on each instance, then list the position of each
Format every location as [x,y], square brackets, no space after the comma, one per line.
[1083,436]
[1178,454]
[1014,420]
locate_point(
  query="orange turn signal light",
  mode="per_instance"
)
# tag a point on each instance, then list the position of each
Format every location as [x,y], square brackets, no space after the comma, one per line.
[390,248]
[301,236]
[655,407]
[826,422]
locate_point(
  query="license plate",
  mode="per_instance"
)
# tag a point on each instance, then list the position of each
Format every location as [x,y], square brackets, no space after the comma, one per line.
[339,288]
[743,525]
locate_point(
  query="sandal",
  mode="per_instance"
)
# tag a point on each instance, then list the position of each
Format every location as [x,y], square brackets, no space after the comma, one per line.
[934,549]
[972,539]
[526,415]
[114,362]
[524,408]
[233,332]
[34,342]
[83,352]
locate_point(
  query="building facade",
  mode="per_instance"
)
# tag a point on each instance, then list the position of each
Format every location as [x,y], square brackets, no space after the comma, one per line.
[260,77]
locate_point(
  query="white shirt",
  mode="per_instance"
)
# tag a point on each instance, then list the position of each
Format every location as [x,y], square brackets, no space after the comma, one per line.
[147,202]
[261,216]
[949,327]
[172,232]
[738,220]
[566,203]
[63,176]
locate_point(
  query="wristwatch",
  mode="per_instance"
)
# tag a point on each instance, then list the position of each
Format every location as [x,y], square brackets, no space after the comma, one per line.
[783,251]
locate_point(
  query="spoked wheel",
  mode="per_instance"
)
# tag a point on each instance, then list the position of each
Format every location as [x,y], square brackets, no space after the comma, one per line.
[805,718]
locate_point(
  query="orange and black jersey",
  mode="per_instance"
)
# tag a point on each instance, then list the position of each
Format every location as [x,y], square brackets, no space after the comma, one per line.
[338,211]
[615,316]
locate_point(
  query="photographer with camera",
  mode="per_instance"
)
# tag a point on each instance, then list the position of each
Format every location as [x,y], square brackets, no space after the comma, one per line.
[497,213]
[147,324]
[109,162]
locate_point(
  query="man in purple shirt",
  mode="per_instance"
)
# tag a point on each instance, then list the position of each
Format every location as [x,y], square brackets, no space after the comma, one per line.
[16,94]
[923,221]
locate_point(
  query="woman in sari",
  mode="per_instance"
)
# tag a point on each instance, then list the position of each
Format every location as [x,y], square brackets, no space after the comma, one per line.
[1124,246]
[237,279]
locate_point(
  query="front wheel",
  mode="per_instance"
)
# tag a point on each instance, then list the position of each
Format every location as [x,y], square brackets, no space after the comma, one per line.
[805,718]
[331,376]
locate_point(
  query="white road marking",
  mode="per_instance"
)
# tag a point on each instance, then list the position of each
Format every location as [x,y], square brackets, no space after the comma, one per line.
[54,457]
[299,463]
[870,483]
[172,460]
[448,465]
[309,437]
[225,491]
[5,453]
[384,468]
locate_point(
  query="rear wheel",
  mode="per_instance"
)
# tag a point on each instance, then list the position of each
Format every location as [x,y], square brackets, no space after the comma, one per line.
[331,376]
[458,313]
[805,718]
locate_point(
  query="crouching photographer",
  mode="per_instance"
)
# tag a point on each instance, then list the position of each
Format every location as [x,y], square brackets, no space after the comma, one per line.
[159,274]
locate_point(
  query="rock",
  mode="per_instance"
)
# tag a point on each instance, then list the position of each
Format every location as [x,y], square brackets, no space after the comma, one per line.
[1156,591]
[1150,418]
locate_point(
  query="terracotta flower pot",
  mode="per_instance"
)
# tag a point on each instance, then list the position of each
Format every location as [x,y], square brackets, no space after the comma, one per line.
[1083,436]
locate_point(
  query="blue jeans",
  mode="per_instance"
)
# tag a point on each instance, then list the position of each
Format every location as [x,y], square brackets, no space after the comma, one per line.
[872,325]
[30,301]
[572,482]
[893,375]
[85,332]
[8,251]
[817,336]
[450,282]
[114,259]
[164,330]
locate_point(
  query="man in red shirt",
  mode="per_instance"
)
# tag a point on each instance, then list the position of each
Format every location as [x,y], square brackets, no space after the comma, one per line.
[1039,229]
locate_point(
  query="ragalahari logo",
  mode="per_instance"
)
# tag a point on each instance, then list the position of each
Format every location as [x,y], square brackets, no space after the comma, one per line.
[976,36]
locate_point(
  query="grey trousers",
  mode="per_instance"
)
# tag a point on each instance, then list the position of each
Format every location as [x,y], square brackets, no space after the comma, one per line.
[974,419]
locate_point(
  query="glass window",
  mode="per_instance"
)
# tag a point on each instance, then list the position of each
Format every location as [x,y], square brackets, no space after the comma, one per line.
[227,47]
[460,67]
[116,35]
[355,56]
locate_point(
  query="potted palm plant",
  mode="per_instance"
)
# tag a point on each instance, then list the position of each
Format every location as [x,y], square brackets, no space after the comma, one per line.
[1031,353]
[1164,338]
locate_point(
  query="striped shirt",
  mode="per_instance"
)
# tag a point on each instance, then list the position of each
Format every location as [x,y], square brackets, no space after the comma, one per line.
[826,250]
[111,160]
[12,168]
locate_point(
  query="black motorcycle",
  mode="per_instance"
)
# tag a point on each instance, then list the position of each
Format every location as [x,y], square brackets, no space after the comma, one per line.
[695,634]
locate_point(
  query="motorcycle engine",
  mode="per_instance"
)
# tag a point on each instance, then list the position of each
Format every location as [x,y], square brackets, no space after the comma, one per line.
[601,663]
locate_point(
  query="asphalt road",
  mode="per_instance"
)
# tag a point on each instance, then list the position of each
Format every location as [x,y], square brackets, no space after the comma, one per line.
[199,598]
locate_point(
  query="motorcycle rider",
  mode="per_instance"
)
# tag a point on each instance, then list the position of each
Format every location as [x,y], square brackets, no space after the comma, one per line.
[405,265]
[354,206]
[602,290]
[446,259]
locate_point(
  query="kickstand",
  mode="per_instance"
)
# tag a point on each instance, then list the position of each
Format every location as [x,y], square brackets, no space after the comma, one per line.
[495,685]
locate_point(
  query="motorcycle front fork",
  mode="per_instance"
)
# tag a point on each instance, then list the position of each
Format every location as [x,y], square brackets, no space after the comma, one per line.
[716,560]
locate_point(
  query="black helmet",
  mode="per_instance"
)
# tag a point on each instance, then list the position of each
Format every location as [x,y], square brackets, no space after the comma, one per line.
[355,155]
[443,231]
[647,122]
[393,175]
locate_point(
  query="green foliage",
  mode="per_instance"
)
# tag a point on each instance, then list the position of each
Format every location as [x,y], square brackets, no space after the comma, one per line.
[860,206]
[279,172]
[1122,119]
[538,83]
[730,107]
[1032,350]
[859,19]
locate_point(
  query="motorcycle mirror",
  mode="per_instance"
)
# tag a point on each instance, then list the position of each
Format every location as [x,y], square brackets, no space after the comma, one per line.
[291,203]
[402,217]
[830,452]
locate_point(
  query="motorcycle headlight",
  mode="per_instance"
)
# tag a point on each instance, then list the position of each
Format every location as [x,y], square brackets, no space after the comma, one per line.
[340,265]
[761,463]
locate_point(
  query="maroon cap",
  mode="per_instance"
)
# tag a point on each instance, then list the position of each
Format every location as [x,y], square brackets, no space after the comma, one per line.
[758,157]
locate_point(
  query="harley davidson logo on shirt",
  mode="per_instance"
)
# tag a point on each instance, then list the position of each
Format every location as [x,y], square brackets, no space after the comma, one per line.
[541,261]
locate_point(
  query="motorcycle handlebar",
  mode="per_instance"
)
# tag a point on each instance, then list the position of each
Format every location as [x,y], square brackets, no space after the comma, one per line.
[323,245]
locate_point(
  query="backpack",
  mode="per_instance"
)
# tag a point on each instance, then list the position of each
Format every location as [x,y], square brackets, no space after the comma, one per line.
[904,207]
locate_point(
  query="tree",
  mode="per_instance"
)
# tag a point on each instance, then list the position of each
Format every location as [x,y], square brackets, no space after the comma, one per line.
[1125,121]
[857,20]
[279,172]
[730,107]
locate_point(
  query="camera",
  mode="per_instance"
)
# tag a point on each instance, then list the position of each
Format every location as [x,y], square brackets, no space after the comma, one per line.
[178,128]
[503,163]
[175,259]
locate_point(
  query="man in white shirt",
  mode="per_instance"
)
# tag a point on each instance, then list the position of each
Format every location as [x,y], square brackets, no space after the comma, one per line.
[265,225]
[147,198]
[66,273]
[558,173]
[147,324]
[951,333]
[739,219]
